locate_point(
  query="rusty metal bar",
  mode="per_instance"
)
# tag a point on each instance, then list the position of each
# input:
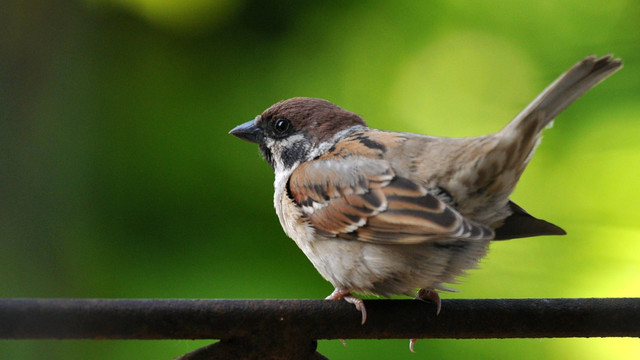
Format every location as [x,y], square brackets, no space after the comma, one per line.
[316,319]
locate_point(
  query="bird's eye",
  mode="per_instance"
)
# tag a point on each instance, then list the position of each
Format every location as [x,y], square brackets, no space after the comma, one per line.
[282,126]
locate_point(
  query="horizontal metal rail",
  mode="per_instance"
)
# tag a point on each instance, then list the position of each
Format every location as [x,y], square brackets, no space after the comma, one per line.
[268,324]
[318,319]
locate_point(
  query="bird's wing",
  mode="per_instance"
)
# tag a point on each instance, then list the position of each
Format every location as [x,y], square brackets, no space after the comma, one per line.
[361,198]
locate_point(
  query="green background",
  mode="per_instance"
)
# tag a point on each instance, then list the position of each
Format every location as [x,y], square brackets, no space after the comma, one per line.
[119,180]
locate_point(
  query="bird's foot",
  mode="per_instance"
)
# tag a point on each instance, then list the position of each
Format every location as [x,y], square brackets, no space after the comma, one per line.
[431,295]
[412,343]
[345,295]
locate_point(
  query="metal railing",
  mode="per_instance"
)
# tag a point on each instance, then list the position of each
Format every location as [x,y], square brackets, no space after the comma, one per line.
[289,329]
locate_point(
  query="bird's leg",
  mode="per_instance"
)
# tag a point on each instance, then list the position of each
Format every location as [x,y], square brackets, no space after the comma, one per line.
[345,295]
[431,295]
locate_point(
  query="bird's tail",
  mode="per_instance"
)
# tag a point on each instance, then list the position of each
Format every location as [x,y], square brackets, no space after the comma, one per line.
[561,93]
[498,171]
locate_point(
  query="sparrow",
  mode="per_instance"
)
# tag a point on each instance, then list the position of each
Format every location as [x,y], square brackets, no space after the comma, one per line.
[383,213]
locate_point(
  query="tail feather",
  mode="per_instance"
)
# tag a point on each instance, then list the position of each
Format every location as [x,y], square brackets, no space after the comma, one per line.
[564,91]
[520,224]
[496,173]
[521,136]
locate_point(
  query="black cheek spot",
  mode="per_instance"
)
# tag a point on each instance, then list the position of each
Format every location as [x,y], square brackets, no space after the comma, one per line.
[296,153]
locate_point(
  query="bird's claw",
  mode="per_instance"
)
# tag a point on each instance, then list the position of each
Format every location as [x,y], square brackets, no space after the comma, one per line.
[431,295]
[412,342]
[346,296]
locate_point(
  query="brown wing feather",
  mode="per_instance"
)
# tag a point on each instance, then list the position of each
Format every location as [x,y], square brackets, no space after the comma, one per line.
[362,199]
[417,217]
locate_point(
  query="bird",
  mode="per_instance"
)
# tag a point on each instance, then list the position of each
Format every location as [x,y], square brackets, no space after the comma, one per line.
[388,213]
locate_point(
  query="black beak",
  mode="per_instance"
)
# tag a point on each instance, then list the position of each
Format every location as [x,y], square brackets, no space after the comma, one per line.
[248,132]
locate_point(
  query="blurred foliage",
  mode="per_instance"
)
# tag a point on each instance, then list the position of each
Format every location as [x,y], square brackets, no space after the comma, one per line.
[118,178]
[175,15]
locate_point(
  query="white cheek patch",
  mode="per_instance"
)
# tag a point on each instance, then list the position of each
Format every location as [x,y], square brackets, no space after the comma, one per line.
[292,141]
[291,151]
